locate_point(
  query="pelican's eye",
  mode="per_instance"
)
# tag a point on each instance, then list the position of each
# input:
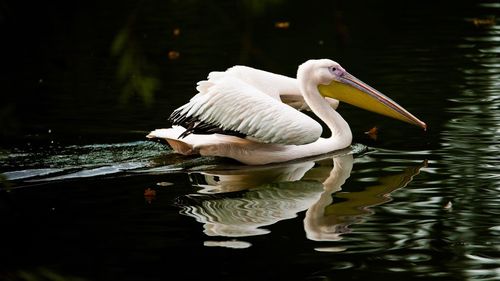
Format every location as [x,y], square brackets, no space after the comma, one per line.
[335,70]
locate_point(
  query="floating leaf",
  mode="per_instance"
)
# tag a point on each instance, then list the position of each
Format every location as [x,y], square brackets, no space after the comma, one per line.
[149,194]
[486,22]
[173,55]
[282,24]
[372,133]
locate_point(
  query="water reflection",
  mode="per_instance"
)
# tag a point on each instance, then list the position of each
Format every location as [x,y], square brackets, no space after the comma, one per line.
[242,202]
[132,70]
[470,142]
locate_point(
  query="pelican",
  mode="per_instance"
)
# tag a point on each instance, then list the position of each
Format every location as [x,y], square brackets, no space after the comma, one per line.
[254,116]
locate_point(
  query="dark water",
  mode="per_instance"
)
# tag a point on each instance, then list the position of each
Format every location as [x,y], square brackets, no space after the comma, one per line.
[85,197]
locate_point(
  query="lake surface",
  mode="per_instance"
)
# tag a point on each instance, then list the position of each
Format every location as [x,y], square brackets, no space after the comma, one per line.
[84,195]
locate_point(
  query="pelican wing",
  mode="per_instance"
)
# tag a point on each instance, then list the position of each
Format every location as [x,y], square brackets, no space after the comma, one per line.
[280,87]
[272,84]
[229,103]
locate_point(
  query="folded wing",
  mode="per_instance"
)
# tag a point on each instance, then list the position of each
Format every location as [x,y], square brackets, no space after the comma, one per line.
[227,104]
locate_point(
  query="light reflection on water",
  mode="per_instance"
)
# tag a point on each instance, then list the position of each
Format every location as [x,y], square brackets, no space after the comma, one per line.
[59,163]
[473,134]
[244,201]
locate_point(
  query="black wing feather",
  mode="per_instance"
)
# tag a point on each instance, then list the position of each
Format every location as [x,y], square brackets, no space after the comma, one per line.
[194,125]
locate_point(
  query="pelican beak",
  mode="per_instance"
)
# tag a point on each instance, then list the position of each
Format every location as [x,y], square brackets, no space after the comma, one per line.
[351,90]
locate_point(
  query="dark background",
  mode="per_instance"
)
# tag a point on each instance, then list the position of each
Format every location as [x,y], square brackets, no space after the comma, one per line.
[93,71]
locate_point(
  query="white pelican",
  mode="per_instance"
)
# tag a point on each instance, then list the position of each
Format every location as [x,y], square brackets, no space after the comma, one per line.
[241,114]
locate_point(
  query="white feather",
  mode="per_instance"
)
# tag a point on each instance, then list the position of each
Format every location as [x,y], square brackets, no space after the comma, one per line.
[277,86]
[232,104]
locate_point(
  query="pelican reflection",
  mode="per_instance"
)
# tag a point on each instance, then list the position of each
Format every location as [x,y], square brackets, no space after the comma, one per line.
[242,202]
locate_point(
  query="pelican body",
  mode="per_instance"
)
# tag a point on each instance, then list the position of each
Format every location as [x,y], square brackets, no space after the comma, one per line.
[254,116]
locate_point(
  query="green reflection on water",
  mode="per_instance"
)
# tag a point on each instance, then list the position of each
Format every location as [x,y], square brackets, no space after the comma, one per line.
[44,274]
[133,68]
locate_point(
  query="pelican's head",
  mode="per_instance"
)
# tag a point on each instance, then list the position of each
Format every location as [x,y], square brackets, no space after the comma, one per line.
[335,82]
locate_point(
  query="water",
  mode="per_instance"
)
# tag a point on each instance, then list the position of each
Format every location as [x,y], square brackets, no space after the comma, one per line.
[84,196]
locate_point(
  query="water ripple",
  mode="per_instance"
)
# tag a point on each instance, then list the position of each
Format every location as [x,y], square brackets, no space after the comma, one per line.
[83,161]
